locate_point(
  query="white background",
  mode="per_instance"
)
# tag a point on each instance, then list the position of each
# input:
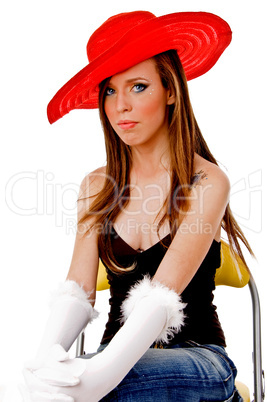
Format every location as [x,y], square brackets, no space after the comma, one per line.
[42,46]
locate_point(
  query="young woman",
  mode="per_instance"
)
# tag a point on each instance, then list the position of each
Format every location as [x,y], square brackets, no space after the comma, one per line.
[153,215]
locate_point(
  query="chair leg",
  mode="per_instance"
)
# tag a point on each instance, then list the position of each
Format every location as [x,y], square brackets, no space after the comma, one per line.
[257,362]
[80,344]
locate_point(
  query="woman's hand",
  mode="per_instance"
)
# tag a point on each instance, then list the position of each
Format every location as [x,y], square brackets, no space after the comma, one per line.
[152,312]
[37,396]
[59,379]
[67,380]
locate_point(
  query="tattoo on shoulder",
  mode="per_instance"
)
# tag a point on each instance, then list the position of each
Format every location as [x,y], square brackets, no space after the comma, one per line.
[198,177]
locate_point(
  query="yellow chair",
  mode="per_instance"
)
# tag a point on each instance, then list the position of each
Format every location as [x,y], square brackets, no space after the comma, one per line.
[232,272]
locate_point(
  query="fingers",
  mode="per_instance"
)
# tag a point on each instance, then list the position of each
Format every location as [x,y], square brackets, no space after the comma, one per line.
[55,377]
[39,392]
[34,384]
[57,370]
[59,375]
[62,374]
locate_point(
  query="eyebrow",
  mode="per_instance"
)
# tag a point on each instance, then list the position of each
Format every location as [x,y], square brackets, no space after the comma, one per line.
[131,80]
[137,79]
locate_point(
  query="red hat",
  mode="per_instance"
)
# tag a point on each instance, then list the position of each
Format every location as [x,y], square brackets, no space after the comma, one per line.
[130,38]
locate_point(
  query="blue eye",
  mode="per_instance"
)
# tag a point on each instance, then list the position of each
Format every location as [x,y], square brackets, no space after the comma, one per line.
[109,91]
[139,87]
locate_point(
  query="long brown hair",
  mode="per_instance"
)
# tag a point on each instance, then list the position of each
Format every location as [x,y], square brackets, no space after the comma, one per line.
[185,139]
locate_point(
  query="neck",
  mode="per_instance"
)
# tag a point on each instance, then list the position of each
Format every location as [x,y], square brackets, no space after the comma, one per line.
[149,163]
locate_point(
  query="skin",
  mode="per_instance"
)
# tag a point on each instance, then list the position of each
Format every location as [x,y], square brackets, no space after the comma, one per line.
[137,95]
[137,107]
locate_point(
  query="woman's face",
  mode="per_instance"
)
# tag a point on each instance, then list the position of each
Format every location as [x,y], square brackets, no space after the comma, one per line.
[136,105]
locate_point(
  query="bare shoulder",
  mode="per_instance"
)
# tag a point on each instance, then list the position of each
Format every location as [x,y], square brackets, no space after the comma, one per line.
[211,175]
[92,183]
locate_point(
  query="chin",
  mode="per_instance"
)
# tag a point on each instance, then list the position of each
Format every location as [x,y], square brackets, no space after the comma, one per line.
[127,140]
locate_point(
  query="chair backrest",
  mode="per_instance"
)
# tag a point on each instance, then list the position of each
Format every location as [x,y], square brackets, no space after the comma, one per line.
[102,280]
[232,271]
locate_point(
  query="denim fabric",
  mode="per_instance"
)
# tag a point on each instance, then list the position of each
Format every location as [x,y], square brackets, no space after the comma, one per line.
[187,372]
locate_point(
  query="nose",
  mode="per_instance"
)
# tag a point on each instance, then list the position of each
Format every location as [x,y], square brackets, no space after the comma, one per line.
[123,103]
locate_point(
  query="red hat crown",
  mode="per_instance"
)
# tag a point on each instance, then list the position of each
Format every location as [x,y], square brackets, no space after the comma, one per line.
[112,30]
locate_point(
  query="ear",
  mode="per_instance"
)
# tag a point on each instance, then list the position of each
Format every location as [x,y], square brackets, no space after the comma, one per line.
[170,97]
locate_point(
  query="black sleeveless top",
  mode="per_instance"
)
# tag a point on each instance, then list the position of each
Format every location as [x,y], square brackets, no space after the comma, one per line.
[201,324]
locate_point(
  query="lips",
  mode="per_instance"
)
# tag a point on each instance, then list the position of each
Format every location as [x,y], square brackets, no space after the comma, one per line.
[127,124]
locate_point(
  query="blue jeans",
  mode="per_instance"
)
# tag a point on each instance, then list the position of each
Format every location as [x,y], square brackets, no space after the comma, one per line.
[187,372]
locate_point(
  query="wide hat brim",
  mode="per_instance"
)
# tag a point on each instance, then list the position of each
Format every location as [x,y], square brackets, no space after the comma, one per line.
[199,38]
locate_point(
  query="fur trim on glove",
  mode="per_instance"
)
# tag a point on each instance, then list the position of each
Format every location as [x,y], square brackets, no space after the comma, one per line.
[161,295]
[70,290]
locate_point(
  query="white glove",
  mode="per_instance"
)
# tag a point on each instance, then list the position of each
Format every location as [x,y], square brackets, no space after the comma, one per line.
[154,313]
[71,311]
